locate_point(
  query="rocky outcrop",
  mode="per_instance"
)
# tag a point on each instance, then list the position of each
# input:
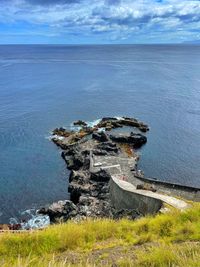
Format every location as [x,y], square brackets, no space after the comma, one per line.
[134,123]
[89,189]
[62,137]
[100,136]
[100,176]
[137,140]
[80,123]
[61,210]
[112,123]
[62,132]
[107,148]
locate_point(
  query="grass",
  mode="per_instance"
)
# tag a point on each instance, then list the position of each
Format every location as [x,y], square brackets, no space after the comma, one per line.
[171,239]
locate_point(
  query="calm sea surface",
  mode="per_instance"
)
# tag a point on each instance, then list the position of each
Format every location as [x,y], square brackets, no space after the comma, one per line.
[42,87]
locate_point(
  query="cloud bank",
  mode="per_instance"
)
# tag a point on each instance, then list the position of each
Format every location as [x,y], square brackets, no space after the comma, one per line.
[141,21]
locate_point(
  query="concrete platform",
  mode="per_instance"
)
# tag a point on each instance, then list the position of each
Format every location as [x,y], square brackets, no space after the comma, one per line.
[123,179]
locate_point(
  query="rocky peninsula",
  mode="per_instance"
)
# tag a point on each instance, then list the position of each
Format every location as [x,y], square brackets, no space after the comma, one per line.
[104,181]
[93,154]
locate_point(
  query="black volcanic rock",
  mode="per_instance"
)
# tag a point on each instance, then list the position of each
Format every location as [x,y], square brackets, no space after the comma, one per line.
[80,123]
[62,132]
[75,193]
[134,123]
[108,119]
[63,209]
[100,136]
[137,140]
[100,176]
[129,214]
[81,177]
[89,184]
[76,160]
[108,147]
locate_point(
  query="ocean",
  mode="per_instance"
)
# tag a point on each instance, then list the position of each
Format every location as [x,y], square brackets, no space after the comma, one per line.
[48,86]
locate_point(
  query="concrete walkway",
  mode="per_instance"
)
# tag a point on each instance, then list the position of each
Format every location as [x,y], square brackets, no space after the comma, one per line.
[172,201]
[119,168]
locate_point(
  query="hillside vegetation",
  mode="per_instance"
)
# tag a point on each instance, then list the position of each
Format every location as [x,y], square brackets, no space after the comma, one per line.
[171,239]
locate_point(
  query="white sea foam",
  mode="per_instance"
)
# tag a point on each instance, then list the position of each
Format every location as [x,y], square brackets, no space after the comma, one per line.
[93,123]
[33,220]
[37,222]
[119,118]
[13,221]
[28,212]
[89,124]
[74,127]
[58,137]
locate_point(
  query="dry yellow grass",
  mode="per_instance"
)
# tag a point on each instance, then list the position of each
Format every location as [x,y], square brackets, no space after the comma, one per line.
[171,239]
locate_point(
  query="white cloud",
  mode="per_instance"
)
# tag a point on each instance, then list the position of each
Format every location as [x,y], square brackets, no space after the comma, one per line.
[120,18]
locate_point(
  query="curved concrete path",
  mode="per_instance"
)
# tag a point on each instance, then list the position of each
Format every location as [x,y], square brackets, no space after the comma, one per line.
[172,201]
[120,166]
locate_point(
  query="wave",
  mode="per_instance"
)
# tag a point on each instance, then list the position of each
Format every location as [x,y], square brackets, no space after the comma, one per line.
[194,112]
[35,221]
[8,62]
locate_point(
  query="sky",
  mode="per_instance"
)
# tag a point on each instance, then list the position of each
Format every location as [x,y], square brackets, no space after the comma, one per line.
[99,21]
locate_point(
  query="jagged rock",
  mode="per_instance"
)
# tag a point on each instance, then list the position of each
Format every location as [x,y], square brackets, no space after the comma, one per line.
[87,130]
[109,124]
[80,123]
[58,142]
[134,123]
[100,152]
[70,150]
[129,214]
[85,152]
[105,189]
[144,128]
[75,193]
[109,119]
[77,189]
[80,177]
[108,147]
[62,132]
[100,176]
[76,161]
[108,128]
[63,209]
[137,140]
[116,124]
[89,189]
[100,136]
[86,201]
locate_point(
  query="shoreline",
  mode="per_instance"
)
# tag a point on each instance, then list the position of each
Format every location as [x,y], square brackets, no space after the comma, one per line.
[99,160]
[89,189]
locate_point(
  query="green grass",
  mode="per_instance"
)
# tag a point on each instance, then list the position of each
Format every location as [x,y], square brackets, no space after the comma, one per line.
[171,239]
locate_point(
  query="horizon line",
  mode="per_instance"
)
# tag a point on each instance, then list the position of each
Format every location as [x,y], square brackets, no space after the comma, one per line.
[101,44]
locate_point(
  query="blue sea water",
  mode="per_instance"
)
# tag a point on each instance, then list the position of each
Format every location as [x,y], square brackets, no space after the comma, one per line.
[42,87]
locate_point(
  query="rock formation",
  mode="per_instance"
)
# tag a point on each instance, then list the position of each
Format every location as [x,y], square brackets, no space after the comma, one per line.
[89,190]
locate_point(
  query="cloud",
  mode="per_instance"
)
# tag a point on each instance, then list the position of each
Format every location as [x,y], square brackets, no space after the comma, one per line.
[52,2]
[119,19]
[113,2]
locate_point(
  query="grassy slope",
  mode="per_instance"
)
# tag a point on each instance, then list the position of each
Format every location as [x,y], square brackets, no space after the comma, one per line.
[171,239]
